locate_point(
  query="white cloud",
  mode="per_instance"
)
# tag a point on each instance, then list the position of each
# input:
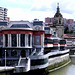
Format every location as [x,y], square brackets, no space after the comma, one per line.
[16,13]
[20,14]
[17,1]
[30,9]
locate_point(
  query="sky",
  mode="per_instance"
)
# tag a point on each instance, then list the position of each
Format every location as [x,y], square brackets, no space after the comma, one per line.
[37,9]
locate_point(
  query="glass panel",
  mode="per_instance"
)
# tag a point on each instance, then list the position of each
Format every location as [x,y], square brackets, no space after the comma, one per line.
[22,39]
[6,40]
[48,41]
[20,26]
[39,62]
[37,40]
[29,39]
[62,42]
[55,41]
[14,40]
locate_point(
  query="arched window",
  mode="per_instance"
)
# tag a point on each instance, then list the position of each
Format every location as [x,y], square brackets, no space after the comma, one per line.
[13,53]
[23,53]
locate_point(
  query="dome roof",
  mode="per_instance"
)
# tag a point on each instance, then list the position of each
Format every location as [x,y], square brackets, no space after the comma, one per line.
[58,15]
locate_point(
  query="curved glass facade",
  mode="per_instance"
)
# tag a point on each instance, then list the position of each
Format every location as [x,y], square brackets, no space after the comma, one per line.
[17,40]
[6,40]
[39,62]
[22,40]
[29,39]
[14,40]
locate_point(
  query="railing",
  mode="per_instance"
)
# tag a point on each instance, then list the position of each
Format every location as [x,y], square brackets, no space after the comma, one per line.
[22,61]
[19,60]
[40,52]
[34,51]
[23,65]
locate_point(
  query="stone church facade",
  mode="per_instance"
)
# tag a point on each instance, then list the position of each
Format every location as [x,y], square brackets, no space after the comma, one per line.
[58,24]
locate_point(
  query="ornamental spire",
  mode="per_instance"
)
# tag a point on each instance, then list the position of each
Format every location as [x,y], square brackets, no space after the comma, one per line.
[58,9]
[57,4]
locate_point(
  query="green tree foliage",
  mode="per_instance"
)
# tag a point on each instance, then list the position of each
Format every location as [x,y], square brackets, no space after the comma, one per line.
[71,31]
[66,30]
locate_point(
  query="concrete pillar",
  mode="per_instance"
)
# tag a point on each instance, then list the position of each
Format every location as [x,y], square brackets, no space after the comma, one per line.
[8,40]
[31,40]
[19,40]
[3,40]
[42,40]
[26,40]
[42,44]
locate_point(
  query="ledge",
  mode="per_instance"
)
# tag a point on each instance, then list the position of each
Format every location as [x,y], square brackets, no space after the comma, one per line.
[57,66]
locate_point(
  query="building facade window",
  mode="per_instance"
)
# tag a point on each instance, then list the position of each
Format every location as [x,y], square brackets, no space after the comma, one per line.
[6,40]
[37,40]
[29,39]
[22,40]
[14,40]
[39,62]
[62,42]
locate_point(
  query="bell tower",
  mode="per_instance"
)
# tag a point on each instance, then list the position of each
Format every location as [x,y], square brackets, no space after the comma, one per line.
[58,23]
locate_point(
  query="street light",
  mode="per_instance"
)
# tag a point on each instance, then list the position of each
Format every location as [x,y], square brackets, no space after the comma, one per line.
[5,58]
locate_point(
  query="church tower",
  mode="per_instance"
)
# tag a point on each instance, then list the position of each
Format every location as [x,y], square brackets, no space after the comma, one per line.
[58,23]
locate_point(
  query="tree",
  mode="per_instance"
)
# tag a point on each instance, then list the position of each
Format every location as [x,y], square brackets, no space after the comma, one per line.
[66,30]
[71,31]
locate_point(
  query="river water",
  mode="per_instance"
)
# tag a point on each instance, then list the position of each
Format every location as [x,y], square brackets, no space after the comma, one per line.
[67,70]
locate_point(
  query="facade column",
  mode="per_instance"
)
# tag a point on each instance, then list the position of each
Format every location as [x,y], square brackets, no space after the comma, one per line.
[3,40]
[42,44]
[19,40]
[42,40]
[25,40]
[31,40]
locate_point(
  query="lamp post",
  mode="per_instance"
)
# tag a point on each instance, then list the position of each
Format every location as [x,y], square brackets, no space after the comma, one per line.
[5,58]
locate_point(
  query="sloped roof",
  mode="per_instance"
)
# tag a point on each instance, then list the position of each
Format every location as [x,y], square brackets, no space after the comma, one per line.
[19,26]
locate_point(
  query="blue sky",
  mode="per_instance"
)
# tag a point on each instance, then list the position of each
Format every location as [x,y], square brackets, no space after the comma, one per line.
[31,9]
